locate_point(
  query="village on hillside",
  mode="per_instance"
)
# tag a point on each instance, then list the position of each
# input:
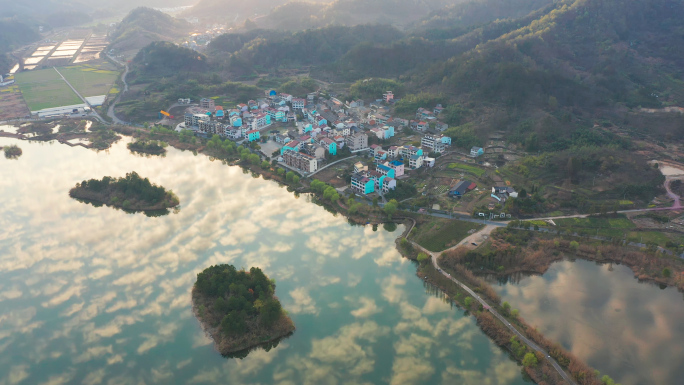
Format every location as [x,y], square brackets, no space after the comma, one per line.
[373,152]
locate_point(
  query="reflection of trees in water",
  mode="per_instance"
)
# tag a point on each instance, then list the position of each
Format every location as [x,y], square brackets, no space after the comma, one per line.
[434,291]
[148,213]
[502,280]
[390,227]
[267,346]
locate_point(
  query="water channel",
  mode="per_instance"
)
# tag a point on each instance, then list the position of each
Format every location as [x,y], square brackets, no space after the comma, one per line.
[93,295]
[630,330]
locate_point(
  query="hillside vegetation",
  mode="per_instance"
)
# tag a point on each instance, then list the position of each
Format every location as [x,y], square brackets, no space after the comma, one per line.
[13,34]
[143,26]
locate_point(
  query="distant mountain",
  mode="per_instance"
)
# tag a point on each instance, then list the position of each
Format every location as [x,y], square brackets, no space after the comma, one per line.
[143,26]
[269,50]
[13,34]
[231,10]
[478,12]
[304,15]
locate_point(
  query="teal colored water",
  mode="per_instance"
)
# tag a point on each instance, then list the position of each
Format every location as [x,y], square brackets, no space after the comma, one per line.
[629,330]
[93,295]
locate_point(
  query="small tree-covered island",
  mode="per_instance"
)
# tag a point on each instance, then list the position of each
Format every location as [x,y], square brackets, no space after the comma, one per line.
[238,308]
[153,147]
[130,193]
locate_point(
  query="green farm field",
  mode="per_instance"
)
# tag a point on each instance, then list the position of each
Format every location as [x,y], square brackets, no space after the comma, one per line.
[45,89]
[467,168]
[90,80]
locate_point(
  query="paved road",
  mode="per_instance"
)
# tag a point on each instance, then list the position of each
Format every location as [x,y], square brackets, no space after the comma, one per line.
[496,314]
[93,112]
[110,111]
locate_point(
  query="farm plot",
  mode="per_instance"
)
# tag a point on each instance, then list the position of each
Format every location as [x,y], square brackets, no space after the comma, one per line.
[11,103]
[45,89]
[467,168]
[88,80]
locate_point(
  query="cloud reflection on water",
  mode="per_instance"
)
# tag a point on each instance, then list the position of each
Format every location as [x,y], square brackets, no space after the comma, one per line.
[109,292]
[624,328]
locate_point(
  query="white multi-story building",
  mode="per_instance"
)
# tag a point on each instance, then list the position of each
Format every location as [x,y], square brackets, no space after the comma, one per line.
[434,142]
[300,161]
[298,104]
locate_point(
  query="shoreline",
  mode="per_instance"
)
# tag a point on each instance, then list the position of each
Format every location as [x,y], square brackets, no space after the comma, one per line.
[337,207]
[221,345]
[359,219]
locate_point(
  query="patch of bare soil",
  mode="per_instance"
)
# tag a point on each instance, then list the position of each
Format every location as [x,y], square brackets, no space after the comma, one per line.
[12,106]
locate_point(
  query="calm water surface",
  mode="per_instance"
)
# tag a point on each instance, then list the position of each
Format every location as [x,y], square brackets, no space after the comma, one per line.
[632,331]
[96,296]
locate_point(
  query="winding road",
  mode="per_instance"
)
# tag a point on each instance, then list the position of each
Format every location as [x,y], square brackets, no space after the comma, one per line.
[110,110]
[496,314]
[488,229]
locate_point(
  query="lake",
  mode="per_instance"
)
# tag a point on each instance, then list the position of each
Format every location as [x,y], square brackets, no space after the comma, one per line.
[629,330]
[94,295]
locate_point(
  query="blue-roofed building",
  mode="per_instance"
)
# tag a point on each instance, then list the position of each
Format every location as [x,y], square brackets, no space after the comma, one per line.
[385,170]
[398,167]
[389,131]
[219,114]
[236,121]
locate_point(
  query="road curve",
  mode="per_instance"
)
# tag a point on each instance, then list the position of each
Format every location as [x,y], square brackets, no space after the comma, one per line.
[528,342]
[110,110]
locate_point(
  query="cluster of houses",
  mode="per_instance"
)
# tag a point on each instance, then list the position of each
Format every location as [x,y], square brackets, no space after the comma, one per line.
[324,126]
[499,193]
[382,179]
[243,121]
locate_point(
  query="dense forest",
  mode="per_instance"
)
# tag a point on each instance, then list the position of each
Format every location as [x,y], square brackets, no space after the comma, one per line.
[131,192]
[143,26]
[239,306]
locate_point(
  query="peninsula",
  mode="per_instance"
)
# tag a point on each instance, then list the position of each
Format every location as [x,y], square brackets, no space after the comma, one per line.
[130,193]
[238,309]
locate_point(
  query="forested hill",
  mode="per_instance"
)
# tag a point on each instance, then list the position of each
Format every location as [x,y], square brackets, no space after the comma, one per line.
[267,49]
[162,58]
[145,25]
[229,10]
[546,78]
[13,34]
[304,15]
[577,57]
